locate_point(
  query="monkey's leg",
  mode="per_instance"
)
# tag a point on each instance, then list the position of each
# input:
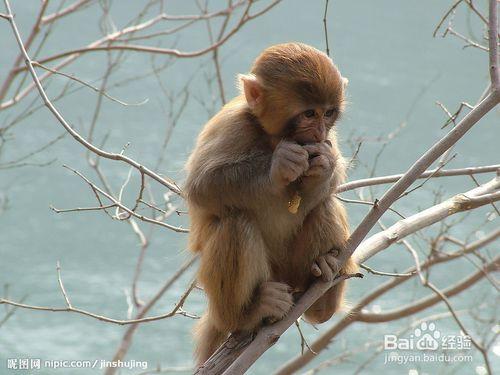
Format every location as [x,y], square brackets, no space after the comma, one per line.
[234,272]
[326,228]
[333,300]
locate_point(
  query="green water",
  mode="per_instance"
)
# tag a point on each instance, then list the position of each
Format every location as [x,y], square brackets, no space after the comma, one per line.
[396,71]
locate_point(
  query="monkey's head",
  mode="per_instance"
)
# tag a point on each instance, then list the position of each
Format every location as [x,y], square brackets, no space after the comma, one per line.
[295,91]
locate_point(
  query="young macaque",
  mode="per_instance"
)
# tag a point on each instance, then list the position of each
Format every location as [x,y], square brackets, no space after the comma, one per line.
[260,190]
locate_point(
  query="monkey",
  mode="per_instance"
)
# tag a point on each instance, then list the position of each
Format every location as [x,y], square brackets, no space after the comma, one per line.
[260,191]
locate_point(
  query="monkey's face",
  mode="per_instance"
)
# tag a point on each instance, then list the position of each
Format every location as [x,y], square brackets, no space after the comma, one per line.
[312,125]
[298,85]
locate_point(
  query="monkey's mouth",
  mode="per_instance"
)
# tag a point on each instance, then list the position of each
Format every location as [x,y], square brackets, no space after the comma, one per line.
[303,143]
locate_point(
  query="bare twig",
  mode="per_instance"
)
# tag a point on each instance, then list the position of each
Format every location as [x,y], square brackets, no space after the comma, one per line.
[381,273]
[303,341]
[108,155]
[442,296]
[493,46]
[61,285]
[470,42]
[165,51]
[433,172]
[174,311]
[118,204]
[64,12]
[441,166]
[450,11]
[19,161]
[366,203]
[104,93]
[27,44]
[325,27]
[128,335]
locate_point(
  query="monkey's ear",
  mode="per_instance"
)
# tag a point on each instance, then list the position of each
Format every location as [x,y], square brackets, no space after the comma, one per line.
[345,82]
[252,89]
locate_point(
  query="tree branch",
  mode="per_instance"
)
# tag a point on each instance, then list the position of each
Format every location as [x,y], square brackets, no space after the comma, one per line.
[323,341]
[468,171]
[108,155]
[461,202]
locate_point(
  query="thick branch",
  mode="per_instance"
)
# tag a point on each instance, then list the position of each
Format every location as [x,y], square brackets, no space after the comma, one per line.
[356,315]
[430,300]
[461,202]
[266,337]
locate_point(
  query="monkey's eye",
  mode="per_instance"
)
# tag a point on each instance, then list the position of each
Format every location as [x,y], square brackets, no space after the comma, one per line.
[309,113]
[329,113]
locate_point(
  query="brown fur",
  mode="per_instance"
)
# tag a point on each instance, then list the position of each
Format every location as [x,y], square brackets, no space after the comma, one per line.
[250,244]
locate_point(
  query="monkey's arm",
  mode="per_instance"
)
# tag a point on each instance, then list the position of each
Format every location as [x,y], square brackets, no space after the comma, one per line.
[246,179]
[233,183]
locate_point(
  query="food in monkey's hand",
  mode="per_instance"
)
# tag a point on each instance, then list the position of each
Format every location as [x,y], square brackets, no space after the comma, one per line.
[260,190]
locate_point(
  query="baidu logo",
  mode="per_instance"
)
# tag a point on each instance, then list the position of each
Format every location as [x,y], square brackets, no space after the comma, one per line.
[427,337]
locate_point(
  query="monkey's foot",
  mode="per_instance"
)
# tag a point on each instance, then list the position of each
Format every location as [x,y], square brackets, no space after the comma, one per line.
[326,265]
[275,299]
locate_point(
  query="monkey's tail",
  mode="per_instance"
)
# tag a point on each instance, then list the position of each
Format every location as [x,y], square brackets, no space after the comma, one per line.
[208,339]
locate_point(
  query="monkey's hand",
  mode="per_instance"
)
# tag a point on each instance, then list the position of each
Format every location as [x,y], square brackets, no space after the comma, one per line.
[326,265]
[289,162]
[275,300]
[321,161]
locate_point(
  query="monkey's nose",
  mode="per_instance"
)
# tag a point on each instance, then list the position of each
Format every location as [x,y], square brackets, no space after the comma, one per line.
[317,136]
